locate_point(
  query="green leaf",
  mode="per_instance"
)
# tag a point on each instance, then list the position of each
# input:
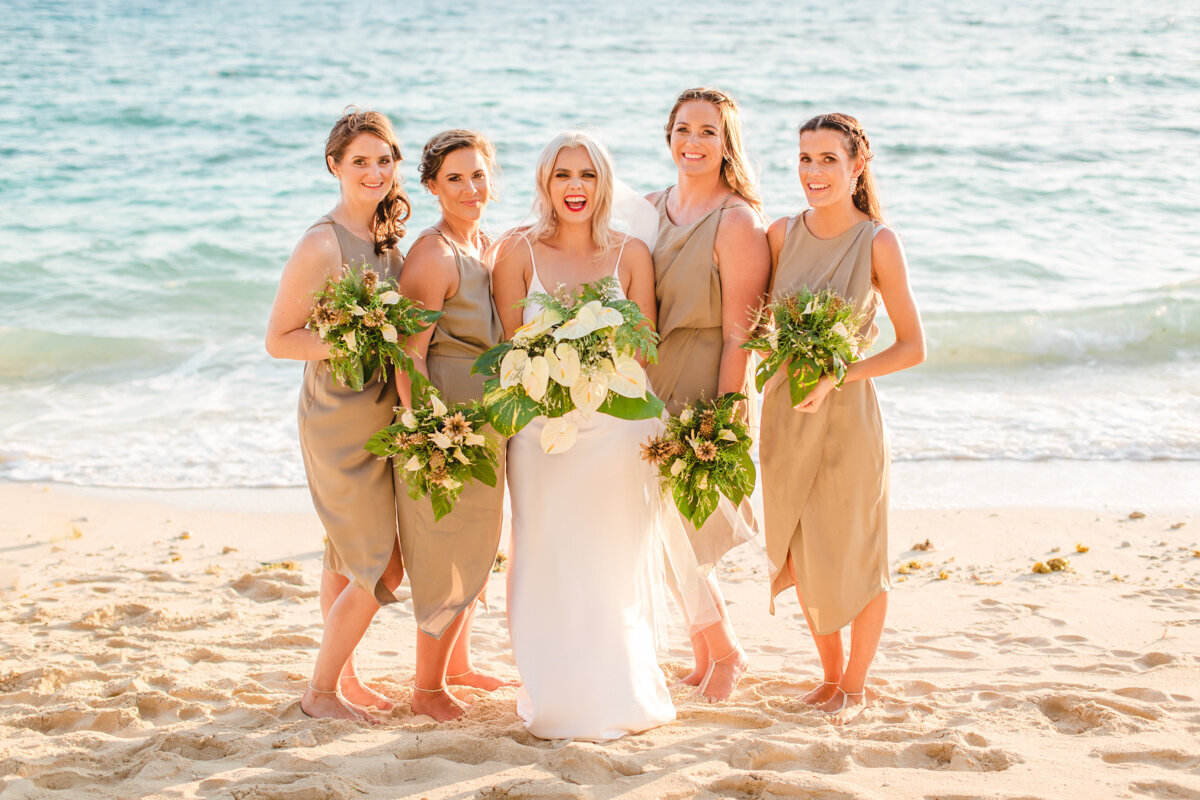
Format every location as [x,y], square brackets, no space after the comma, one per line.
[442,504]
[508,410]
[803,375]
[489,362]
[381,443]
[621,407]
[483,472]
[706,503]
[683,500]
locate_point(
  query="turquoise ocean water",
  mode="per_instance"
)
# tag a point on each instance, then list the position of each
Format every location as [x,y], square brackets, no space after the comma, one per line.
[159,160]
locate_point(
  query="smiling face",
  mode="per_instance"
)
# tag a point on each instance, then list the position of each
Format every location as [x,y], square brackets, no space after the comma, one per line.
[463,184]
[572,185]
[696,141]
[826,169]
[366,170]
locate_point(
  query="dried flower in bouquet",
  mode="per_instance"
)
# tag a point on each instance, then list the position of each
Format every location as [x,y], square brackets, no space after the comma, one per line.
[438,449]
[704,452]
[363,318]
[812,334]
[579,352]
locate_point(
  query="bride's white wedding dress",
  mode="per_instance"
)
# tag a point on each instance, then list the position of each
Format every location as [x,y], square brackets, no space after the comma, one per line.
[582,579]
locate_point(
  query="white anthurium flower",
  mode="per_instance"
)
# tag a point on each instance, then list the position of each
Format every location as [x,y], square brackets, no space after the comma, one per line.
[441,440]
[322,332]
[841,330]
[389,298]
[558,436]
[536,378]
[565,369]
[609,318]
[677,467]
[538,325]
[685,416]
[450,483]
[588,395]
[585,321]
[512,366]
[460,457]
[357,310]
[811,307]
[409,420]
[728,435]
[348,338]
[390,334]
[476,439]
[413,464]
[628,378]
[437,405]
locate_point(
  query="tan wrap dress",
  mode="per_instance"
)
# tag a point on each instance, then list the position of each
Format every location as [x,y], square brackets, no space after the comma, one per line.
[351,489]
[449,561]
[687,286]
[825,474]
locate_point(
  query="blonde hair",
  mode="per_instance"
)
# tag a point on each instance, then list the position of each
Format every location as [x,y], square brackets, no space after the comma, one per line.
[735,167]
[546,224]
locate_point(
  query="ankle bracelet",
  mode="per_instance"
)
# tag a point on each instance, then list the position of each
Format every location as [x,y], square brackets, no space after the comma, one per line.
[461,674]
[315,690]
[441,688]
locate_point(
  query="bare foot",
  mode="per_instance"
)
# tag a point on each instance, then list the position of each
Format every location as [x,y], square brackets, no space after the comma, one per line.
[441,705]
[694,677]
[844,707]
[822,694]
[478,680]
[360,694]
[723,676]
[327,705]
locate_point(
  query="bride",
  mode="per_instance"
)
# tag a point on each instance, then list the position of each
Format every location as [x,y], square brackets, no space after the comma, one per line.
[581,580]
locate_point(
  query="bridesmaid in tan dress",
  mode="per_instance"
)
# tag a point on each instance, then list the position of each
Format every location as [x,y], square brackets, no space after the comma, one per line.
[351,489]
[449,561]
[711,267]
[825,462]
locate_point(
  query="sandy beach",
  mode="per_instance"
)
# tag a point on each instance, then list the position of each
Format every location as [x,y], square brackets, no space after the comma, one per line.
[154,645]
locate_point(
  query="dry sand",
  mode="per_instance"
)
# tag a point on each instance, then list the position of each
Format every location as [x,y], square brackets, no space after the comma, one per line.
[154,645]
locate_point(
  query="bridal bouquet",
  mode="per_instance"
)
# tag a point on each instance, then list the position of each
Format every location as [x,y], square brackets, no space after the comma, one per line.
[577,353]
[363,318]
[813,334]
[705,451]
[438,448]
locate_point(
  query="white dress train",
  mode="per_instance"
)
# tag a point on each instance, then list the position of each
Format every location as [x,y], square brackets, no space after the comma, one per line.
[582,579]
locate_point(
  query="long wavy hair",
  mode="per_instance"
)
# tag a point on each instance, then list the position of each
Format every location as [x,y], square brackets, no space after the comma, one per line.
[546,223]
[387,225]
[735,167]
[866,193]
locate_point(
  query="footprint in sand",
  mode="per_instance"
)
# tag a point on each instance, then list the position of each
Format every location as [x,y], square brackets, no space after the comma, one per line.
[1165,789]
[264,587]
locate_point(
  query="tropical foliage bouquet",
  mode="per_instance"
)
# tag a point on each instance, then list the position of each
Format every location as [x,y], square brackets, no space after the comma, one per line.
[577,353]
[362,317]
[813,334]
[704,452]
[438,448]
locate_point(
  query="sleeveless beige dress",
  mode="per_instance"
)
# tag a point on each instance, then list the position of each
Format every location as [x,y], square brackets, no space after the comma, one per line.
[449,561]
[351,489]
[687,286]
[825,474]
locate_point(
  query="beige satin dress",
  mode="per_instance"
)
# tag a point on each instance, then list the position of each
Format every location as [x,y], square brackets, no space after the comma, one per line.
[687,286]
[825,474]
[351,489]
[449,561]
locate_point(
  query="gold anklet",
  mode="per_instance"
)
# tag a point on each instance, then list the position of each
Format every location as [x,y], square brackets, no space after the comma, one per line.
[461,674]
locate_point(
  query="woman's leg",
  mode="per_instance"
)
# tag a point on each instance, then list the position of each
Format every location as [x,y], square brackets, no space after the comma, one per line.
[865,632]
[460,671]
[725,657]
[429,686]
[352,688]
[829,650]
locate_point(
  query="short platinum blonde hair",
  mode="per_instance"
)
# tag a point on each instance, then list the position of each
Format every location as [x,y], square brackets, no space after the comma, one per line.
[546,224]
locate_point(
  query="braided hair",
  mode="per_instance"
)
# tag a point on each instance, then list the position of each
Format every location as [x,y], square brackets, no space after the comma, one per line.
[866,194]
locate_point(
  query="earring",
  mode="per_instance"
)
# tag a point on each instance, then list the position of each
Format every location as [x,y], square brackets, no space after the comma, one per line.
[854,185]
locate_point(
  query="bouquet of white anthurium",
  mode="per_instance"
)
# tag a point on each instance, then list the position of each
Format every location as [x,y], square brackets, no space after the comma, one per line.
[577,353]
[437,449]
[813,334]
[363,318]
[704,452]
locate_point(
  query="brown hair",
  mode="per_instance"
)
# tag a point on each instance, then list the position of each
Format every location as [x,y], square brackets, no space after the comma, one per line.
[387,226]
[735,170]
[443,144]
[866,194]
